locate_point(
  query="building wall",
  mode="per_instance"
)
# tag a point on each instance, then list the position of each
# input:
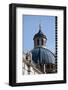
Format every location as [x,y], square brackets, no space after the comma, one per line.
[25,69]
[28,67]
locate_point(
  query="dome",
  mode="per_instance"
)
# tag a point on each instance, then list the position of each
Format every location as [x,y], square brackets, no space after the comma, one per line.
[42,56]
[39,34]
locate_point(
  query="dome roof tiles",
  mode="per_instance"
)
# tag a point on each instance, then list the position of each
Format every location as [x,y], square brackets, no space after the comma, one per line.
[42,56]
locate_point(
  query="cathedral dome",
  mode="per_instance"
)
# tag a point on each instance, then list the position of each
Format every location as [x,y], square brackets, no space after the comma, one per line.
[42,56]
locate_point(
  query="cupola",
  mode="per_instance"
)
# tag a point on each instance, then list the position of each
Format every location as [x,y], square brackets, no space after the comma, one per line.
[39,39]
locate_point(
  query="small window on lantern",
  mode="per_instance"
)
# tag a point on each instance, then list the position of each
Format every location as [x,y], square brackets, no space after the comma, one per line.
[37,41]
[42,42]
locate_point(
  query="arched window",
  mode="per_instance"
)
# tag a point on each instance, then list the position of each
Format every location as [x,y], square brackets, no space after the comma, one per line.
[51,66]
[37,41]
[26,57]
[48,66]
[42,42]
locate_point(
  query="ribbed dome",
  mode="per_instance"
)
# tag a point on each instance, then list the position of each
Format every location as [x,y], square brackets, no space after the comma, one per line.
[42,56]
[39,34]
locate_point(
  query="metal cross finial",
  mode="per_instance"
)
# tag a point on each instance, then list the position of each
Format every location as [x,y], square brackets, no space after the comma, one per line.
[39,26]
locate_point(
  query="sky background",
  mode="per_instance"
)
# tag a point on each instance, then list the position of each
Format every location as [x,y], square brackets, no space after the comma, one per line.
[31,27]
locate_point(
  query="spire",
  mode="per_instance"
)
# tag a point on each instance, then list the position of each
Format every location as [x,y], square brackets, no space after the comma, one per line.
[39,27]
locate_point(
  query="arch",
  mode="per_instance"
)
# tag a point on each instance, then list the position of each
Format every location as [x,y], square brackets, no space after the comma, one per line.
[37,41]
[42,42]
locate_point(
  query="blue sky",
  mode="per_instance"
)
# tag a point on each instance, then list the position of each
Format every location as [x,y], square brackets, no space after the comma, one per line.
[31,27]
